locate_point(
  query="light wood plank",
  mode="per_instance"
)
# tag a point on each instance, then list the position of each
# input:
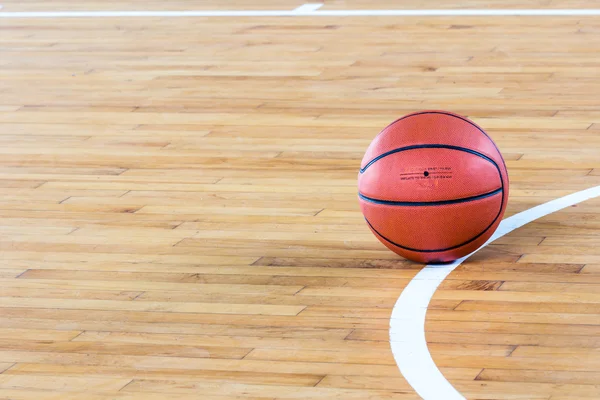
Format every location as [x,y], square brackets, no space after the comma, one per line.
[174,374]
[147,385]
[261,309]
[62,383]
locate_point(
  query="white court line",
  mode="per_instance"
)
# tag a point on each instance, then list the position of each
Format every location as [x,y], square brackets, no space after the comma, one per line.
[407,325]
[306,10]
[308,7]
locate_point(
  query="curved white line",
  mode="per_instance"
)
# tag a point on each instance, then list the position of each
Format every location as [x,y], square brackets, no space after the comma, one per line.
[407,325]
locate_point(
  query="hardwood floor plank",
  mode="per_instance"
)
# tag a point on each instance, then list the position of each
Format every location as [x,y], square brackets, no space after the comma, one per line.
[557,377]
[62,384]
[173,374]
[35,394]
[247,309]
[147,385]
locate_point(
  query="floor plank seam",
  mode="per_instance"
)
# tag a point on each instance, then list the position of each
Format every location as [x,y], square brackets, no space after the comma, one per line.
[301,311]
[178,225]
[22,273]
[247,354]
[257,261]
[10,367]
[175,245]
[133,210]
[477,378]
[127,384]
[512,351]
[319,212]
[136,297]
[76,336]
[299,290]
[320,380]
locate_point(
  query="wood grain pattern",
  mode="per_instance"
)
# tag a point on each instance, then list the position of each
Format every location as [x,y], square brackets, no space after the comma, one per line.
[178,211]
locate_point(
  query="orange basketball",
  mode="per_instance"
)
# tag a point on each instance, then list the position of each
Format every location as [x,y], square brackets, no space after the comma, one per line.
[433,186]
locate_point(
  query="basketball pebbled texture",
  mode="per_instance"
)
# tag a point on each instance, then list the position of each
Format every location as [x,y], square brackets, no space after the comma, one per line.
[433,186]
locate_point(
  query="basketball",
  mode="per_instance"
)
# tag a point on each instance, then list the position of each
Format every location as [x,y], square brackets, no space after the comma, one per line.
[433,186]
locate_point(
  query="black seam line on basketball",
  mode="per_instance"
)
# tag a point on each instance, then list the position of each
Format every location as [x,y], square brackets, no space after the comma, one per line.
[448,248]
[459,245]
[434,250]
[426,146]
[450,115]
[430,203]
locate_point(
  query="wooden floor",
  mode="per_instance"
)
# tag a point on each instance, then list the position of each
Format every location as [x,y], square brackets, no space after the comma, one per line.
[178,211]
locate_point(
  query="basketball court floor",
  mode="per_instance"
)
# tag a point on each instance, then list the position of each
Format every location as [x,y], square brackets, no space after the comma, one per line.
[179,215]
